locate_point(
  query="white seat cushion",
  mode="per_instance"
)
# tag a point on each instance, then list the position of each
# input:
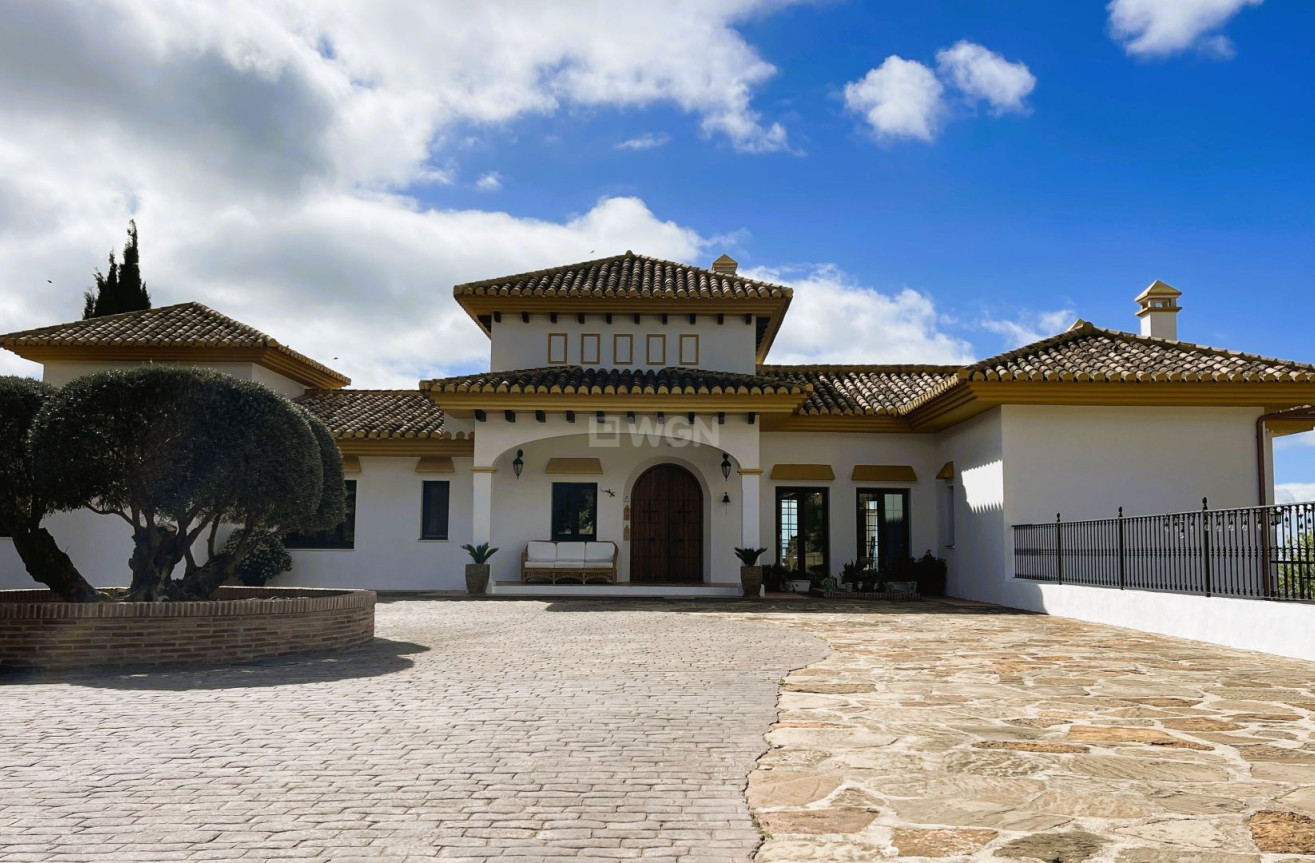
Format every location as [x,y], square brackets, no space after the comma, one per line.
[598,564]
[569,564]
[541,552]
[570,551]
[598,552]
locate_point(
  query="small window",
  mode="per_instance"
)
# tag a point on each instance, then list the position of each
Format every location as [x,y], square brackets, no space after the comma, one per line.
[342,536]
[623,349]
[557,349]
[574,511]
[689,349]
[434,509]
[657,350]
[591,348]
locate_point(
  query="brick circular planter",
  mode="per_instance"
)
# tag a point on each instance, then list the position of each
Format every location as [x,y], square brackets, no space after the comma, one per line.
[241,623]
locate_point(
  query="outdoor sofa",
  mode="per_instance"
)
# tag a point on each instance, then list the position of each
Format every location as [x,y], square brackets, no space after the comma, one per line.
[569,562]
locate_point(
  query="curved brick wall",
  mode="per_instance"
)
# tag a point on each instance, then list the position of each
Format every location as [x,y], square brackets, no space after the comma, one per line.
[242,623]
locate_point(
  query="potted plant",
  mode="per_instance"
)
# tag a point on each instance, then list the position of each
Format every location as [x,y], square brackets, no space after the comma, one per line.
[751,574]
[477,572]
[851,574]
[929,571]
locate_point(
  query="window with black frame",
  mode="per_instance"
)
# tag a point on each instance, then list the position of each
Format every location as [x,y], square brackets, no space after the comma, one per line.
[434,509]
[883,525]
[574,511]
[342,536]
[802,531]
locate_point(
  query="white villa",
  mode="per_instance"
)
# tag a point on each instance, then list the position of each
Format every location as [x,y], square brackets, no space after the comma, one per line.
[631,400]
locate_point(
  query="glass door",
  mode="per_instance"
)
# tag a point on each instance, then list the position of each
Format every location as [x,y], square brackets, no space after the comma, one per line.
[883,526]
[802,529]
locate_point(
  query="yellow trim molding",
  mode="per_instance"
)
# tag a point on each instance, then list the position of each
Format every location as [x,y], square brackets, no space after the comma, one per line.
[406,447]
[559,466]
[435,464]
[585,340]
[946,471]
[685,358]
[564,341]
[821,472]
[271,358]
[883,473]
[629,341]
[751,471]
[650,340]
[351,464]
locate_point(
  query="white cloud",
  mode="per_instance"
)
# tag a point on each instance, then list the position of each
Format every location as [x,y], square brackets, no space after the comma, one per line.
[982,74]
[1294,492]
[490,182]
[1158,28]
[269,152]
[1294,441]
[835,320]
[646,141]
[898,99]
[1029,325]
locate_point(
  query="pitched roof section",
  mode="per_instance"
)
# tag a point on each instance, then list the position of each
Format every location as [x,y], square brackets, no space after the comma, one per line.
[867,390]
[599,381]
[164,332]
[1089,353]
[626,276]
[629,283]
[376,414]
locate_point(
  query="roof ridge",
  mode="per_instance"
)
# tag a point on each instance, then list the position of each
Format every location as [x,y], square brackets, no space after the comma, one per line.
[1071,334]
[1193,346]
[316,391]
[624,255]
[862,367]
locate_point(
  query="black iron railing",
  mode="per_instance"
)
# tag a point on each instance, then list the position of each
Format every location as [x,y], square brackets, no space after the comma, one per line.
[1265,552]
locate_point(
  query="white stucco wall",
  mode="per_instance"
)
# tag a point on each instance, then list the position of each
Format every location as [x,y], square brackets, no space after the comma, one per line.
[977,562]
[389,553]
[842,452]
[728,346]
[59,373]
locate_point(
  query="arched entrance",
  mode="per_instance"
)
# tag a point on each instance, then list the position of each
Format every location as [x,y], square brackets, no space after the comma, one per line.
[666,526]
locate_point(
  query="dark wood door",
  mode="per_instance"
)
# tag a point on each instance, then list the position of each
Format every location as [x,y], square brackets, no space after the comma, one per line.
[666,526]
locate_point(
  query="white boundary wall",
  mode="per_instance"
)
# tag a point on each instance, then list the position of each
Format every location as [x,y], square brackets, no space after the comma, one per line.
[1282,628]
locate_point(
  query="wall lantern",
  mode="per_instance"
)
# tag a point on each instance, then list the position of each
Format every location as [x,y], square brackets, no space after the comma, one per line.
[518,464]
[725,497]
[725,466]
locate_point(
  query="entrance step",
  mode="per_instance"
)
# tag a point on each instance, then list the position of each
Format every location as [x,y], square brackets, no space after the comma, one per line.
[626,588]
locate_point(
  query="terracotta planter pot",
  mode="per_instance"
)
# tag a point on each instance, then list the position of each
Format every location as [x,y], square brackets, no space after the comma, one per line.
[751,579]
[477,578]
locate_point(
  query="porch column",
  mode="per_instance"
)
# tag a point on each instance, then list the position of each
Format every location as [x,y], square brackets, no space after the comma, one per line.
[481,504]
[749,506]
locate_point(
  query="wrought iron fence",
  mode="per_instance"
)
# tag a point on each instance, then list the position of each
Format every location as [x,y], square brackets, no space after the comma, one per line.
[1265,552]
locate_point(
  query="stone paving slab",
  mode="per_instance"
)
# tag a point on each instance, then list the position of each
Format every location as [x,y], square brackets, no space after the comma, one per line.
[956,732]
[468,731]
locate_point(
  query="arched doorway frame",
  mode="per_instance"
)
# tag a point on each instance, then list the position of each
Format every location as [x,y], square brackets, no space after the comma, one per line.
[704,489]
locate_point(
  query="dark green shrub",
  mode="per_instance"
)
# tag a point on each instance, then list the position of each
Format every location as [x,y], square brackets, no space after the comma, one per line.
[265,558]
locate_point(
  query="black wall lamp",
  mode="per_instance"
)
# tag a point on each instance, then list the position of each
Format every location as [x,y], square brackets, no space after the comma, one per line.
[518,464]
[725,467]
[725,497]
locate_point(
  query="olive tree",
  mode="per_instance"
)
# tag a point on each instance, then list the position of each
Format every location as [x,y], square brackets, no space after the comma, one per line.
[22,505]
[179,454]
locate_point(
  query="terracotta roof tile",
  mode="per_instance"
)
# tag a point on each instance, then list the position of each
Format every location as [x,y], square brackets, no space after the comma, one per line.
[600,381]
[627,275]
[864,390]
[388,414]
[185,325]
[1089,353]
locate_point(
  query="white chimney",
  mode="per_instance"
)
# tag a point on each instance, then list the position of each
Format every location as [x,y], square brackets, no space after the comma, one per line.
[1158,308]
[725,265]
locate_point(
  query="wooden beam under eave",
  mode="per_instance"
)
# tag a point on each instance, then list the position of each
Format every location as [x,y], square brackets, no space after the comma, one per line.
[407,447]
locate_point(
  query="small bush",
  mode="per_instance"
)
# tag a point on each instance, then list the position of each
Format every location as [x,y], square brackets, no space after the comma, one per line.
[265,559]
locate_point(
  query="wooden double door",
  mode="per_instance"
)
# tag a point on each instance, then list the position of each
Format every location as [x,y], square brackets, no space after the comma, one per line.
[666,526]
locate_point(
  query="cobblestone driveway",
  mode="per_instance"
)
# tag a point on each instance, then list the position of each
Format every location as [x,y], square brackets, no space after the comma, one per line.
[478,730]
[605,731]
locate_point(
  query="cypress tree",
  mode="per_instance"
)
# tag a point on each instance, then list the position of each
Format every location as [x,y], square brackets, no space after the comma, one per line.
[122,288]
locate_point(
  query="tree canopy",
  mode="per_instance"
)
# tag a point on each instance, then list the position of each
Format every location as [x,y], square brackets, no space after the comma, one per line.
[121,289]
[22,503]
[178,454]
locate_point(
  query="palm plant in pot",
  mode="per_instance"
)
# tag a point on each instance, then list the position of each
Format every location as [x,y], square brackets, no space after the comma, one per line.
[751,574]
[477,572]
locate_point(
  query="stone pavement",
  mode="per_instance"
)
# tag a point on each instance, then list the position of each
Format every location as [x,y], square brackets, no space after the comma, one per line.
[958,732]
[471,731]
[621,730]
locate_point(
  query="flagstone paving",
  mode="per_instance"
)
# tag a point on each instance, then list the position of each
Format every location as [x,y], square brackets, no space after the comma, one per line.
[959,732]
[626,730]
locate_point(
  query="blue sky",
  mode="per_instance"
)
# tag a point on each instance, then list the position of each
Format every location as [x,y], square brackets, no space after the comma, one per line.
[327,171]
